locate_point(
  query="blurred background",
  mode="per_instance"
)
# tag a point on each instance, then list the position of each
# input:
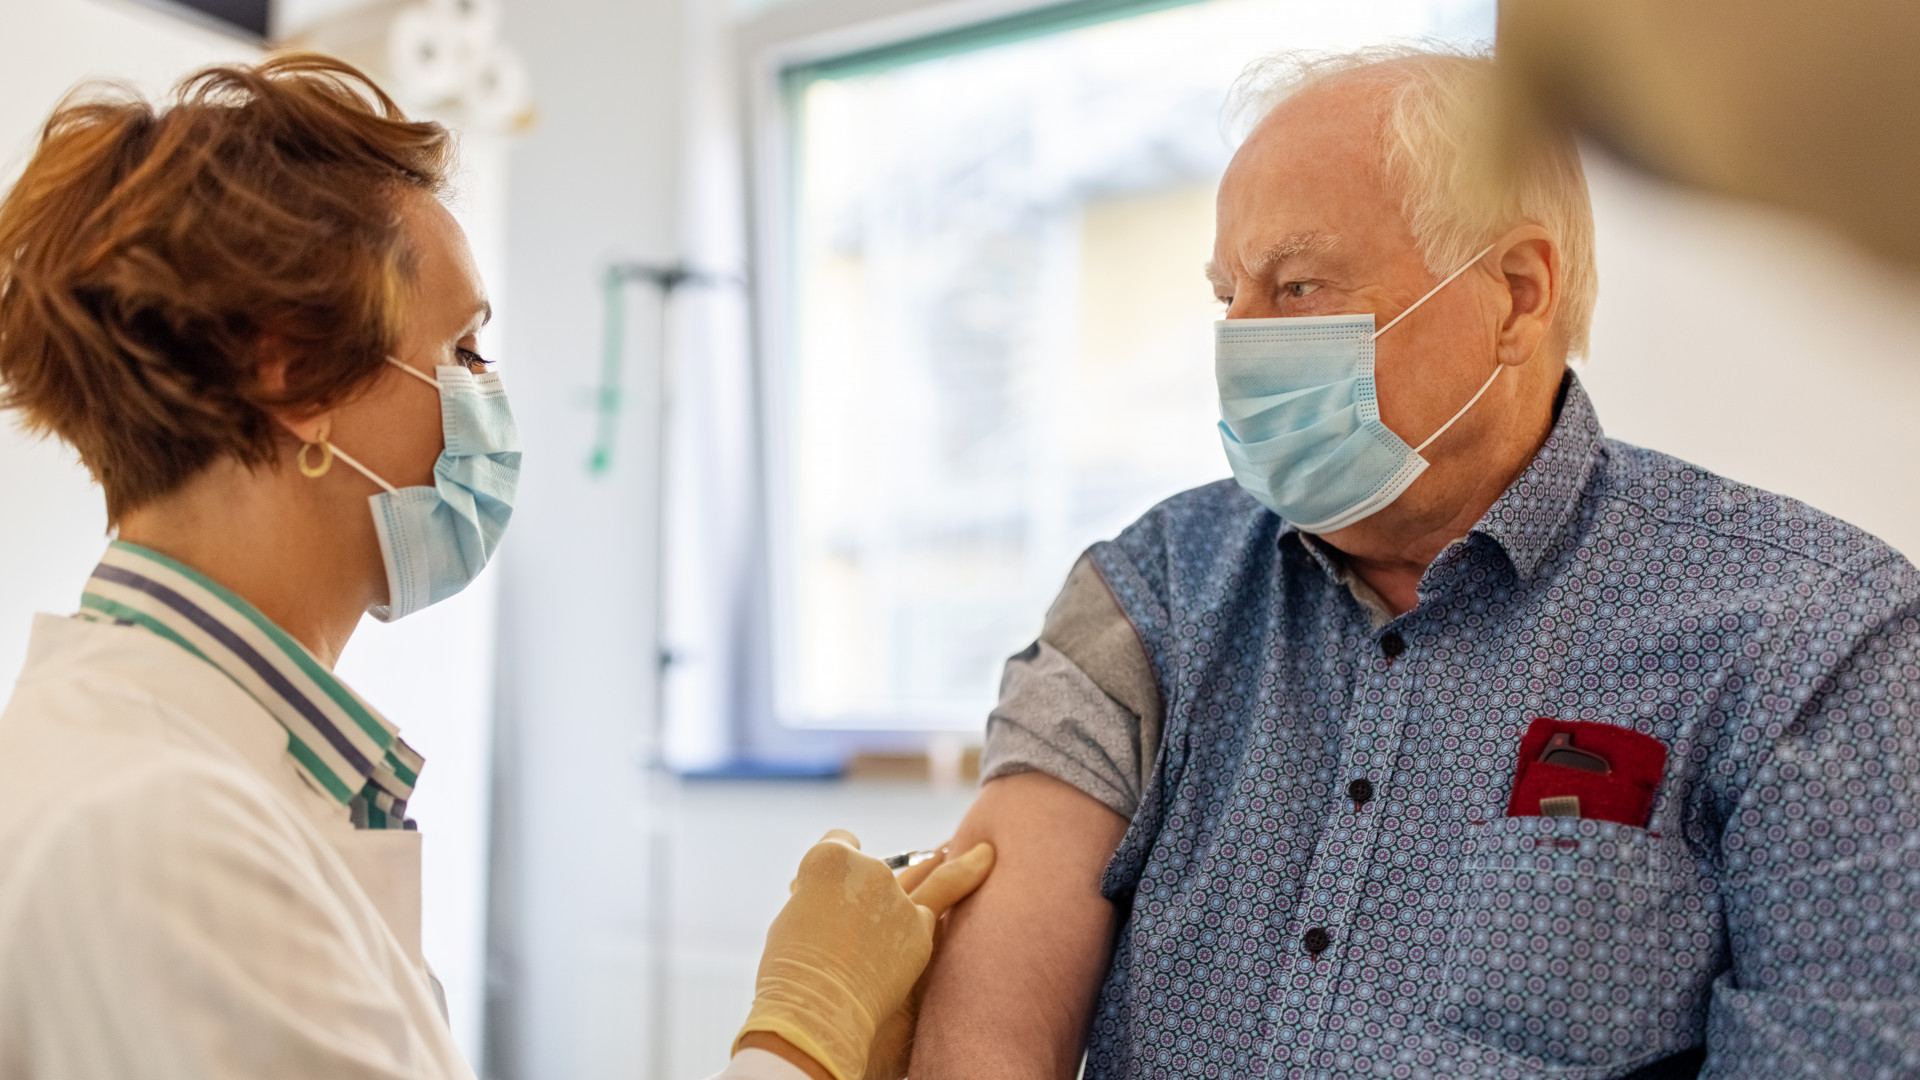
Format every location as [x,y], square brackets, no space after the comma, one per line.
[836,329]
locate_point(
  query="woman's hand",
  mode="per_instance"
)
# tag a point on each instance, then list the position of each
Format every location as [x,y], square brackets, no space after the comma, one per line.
[843,957]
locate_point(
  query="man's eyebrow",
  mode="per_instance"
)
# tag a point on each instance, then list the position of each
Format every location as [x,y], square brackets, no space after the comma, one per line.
[1214,277]
[485,311]
[1299,243]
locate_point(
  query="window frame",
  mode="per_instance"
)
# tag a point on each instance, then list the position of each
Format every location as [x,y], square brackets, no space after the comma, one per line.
[779,53]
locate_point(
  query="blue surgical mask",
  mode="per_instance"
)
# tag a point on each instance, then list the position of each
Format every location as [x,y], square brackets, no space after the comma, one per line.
[1300,416]
[435,540]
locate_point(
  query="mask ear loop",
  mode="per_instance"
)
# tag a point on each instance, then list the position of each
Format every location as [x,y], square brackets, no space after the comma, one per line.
[1468,265]
[415,372]
[1497,368]
[328,451]
[364,471]
[1484,387]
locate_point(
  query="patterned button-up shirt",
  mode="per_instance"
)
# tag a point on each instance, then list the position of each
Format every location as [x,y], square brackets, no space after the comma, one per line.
[1283,920]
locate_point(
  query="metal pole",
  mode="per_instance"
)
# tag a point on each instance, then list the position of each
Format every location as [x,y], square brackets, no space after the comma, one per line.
[667,279]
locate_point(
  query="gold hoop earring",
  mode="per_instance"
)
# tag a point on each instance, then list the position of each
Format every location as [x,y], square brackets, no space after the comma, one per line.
[326,459]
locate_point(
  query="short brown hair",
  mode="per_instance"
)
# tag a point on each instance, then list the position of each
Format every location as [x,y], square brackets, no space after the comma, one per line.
[146,255]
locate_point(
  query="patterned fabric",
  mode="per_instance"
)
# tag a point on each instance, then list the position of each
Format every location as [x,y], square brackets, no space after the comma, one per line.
[338,741]
[1322,882]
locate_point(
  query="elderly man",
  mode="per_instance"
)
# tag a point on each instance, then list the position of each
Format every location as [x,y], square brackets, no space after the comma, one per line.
[1454,739]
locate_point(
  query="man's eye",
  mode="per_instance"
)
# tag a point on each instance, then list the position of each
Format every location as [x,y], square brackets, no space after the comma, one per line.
[1300,288]
[471,360]
[1224,301]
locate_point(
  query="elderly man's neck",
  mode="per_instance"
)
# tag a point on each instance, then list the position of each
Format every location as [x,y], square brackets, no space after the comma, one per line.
[1392,550]
[1395,575]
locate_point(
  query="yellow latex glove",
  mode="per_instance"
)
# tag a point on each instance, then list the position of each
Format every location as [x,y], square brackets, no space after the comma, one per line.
[892,1047]
[844,955]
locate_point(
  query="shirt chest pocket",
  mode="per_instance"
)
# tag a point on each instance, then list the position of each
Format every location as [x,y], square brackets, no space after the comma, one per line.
[1577,943]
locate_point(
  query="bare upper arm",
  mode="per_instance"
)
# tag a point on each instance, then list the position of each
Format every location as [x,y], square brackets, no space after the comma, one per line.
[1011,989]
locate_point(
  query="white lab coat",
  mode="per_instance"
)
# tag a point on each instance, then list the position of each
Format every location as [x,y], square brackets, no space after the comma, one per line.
[177,900]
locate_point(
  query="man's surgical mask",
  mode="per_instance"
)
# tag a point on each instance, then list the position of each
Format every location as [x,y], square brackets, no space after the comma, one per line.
[1300,416]
[435,540]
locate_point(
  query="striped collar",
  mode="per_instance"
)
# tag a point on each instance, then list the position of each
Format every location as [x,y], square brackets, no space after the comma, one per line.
[338,741]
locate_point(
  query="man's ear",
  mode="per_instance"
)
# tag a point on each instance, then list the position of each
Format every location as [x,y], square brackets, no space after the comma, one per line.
[1529,265]
[272,357]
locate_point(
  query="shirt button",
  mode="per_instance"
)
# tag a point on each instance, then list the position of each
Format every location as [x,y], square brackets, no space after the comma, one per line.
[1316,941]
[1360,791]
[1392,644]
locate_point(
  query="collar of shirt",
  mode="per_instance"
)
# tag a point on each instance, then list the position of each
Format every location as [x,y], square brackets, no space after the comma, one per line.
[1528,517]
[338,742]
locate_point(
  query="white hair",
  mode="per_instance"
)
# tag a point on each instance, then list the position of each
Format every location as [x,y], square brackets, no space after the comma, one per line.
[1437,147]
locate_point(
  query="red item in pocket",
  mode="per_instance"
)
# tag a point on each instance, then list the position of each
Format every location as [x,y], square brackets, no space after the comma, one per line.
[1623,794]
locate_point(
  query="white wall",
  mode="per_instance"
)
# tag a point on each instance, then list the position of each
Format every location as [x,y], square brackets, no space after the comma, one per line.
[1758,347]
[596,179]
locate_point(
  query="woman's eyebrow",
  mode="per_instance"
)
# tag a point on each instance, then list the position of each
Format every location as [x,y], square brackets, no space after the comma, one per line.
[477,320]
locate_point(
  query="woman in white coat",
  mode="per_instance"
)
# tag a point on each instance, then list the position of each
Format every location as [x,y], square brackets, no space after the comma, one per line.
[256,324]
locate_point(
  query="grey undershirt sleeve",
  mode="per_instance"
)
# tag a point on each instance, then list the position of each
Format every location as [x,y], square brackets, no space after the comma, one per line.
[1080,704]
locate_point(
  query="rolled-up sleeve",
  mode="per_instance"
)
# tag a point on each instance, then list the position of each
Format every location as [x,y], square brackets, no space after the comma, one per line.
[1053,719]
[1081,703]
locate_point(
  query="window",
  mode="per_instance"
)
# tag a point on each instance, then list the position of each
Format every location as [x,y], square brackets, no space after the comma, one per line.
[999,347]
